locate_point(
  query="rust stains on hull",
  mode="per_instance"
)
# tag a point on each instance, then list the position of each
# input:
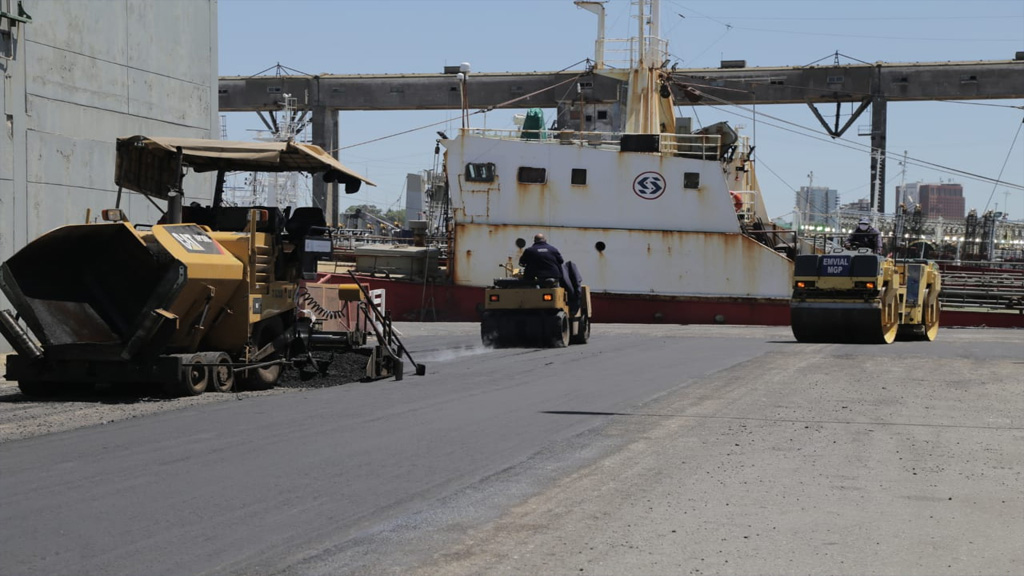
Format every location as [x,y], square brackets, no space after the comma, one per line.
[654,262]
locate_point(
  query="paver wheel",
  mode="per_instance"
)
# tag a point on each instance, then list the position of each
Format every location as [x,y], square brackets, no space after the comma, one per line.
[193,378]
[222,377]
[263,377]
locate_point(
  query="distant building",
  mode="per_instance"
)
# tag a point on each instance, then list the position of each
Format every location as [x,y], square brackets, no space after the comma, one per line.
[414,198]
[909,195]
[862,205]
[817,204]
[945,199]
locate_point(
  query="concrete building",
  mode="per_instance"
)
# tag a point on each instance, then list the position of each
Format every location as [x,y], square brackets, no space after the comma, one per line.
[76,76]
[817,204]
[861,205]
[945,199]
[908,194]
[415,206]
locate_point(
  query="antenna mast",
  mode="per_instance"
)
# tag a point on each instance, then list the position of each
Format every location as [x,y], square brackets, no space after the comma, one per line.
[903,179]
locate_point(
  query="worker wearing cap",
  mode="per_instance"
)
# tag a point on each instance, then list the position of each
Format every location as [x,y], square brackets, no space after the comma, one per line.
[542,260]
[865,236]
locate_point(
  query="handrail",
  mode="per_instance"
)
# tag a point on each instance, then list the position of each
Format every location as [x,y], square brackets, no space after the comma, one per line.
[702,146]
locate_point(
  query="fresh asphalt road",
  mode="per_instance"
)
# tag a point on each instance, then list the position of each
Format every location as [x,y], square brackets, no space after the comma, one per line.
[263,484]
[433,473]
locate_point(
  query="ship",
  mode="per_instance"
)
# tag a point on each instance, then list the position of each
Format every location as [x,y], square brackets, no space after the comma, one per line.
[665,223]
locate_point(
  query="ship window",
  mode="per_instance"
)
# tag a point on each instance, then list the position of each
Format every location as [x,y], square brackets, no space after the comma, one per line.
[5,44]
[529,175]
[482,172]
[602,114]
[579,176]
[691,180]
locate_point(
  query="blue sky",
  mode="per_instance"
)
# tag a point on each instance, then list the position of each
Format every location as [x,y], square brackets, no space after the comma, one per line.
[982,137]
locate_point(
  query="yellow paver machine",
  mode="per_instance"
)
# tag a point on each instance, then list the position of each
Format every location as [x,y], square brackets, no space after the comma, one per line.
[206,298]
[861,297]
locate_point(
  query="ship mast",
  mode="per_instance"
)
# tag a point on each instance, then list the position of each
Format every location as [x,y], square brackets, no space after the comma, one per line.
[647,112]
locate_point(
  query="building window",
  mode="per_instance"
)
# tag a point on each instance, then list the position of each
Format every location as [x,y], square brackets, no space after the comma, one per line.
[691,180]
[602,114]
[579,176]
[529,175]
[481,172]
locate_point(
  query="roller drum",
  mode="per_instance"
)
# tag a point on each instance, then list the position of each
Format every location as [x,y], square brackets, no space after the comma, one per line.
[840,323]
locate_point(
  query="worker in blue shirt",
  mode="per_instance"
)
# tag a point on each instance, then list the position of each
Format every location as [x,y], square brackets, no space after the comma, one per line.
[542,260]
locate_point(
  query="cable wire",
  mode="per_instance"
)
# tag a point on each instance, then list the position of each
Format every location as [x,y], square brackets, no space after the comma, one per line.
[1005,161]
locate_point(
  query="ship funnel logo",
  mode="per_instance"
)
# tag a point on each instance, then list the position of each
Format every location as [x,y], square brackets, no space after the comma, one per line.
[649,185]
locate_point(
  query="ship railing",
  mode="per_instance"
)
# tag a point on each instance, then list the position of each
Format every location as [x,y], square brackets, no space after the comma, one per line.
[625,52]
[608,140]
[349,242]
[747,202]
[784,242]
[698,146]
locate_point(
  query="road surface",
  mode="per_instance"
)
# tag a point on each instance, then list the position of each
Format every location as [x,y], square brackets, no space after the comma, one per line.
[653,450]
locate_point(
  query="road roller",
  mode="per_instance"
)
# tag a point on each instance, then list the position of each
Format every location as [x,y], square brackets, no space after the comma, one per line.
[859,297]
[545,313]
[204,299]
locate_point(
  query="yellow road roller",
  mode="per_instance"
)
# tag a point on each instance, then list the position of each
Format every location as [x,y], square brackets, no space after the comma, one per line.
[519,312]
[863,298]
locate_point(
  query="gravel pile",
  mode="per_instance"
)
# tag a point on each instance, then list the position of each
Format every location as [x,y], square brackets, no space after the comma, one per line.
[23,417]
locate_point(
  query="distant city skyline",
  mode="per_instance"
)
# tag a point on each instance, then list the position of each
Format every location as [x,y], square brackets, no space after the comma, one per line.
[818,204]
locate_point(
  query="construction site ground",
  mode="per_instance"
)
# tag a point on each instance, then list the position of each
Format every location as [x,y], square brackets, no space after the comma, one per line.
[651,450]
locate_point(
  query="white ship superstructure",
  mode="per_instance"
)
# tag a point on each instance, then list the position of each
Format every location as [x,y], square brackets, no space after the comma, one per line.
[645,211]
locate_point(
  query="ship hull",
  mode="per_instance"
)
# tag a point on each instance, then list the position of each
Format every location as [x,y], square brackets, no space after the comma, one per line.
[673,263]
[418,302]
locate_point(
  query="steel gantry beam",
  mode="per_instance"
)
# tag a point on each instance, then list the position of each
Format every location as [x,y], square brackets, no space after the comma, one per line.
[411,91]
[865,84]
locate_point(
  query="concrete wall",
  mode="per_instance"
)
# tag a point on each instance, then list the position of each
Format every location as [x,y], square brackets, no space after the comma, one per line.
[78,76]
